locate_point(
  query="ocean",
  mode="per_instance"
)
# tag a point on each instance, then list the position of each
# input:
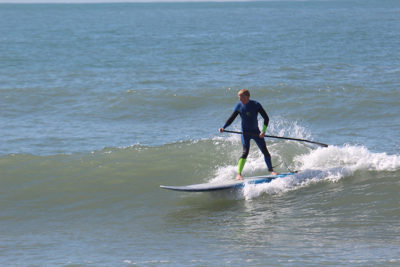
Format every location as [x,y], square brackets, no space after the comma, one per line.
[100,104]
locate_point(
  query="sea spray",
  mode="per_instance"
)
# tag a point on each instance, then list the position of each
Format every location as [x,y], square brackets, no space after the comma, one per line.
[322,164]
[353,157]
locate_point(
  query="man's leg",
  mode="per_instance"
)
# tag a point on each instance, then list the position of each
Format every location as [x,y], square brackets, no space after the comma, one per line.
[267,157]
[242,160]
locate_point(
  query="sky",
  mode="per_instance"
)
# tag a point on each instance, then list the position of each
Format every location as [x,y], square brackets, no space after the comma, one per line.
[112,1]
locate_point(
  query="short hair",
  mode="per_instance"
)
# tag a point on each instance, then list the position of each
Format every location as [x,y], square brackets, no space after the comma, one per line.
[244,92]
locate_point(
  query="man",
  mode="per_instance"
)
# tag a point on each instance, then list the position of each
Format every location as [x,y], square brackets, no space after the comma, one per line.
[248,110]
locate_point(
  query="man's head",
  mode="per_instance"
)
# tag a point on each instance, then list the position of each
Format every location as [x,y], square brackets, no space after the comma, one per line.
[244,96]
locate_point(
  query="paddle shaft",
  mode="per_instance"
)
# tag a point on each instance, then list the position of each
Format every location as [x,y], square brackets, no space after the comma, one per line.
[280,137]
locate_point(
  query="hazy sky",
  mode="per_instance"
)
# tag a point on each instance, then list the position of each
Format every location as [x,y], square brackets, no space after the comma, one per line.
[111,1]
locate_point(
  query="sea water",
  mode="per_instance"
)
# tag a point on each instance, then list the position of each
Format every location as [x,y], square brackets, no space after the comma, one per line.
[102,103]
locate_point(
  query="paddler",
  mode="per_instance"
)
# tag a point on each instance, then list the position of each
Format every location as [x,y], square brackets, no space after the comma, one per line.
[248,110]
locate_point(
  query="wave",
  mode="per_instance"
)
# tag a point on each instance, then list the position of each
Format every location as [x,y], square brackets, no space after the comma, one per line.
[127,176]
[329,164]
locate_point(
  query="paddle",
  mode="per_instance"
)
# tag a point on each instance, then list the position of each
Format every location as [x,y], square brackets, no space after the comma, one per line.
[280,137]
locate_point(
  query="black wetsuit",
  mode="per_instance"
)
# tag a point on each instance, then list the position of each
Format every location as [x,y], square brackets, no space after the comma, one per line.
[249,112]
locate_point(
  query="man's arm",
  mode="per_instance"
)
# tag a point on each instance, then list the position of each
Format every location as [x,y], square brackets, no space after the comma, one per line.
[230,120]
[265,116]
[266,121]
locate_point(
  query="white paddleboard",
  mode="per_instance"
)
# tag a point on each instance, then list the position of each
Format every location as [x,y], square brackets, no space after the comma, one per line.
[206,187]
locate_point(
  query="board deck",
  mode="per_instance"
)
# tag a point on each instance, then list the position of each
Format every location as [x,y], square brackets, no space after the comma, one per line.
[207,187]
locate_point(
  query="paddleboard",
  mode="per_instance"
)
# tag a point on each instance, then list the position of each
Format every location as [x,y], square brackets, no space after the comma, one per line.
[207,187]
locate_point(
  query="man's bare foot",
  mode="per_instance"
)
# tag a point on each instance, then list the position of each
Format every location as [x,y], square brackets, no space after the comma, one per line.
[274,173]
[239,177]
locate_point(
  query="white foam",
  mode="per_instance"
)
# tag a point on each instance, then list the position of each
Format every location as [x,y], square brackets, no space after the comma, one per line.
[283,127]
[327,164]
[322,164]
[254,164]
[351,157]
[293,182]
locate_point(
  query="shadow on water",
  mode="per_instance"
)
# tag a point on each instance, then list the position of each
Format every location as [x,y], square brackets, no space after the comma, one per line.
[198,206]
[227,209]
[225,205]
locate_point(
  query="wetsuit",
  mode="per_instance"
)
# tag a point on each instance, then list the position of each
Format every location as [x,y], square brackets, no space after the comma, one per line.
[248,112]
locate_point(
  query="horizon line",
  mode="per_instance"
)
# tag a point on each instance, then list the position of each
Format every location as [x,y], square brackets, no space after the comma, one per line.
[138,1]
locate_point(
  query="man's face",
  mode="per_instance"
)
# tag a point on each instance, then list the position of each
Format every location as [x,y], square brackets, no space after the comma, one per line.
[244,99]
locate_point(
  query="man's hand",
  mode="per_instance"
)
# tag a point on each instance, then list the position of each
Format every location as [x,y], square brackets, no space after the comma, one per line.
[262,135]
[221,130]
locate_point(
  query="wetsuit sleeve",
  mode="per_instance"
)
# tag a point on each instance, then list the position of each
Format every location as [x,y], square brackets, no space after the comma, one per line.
[264,115]
[231,119]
